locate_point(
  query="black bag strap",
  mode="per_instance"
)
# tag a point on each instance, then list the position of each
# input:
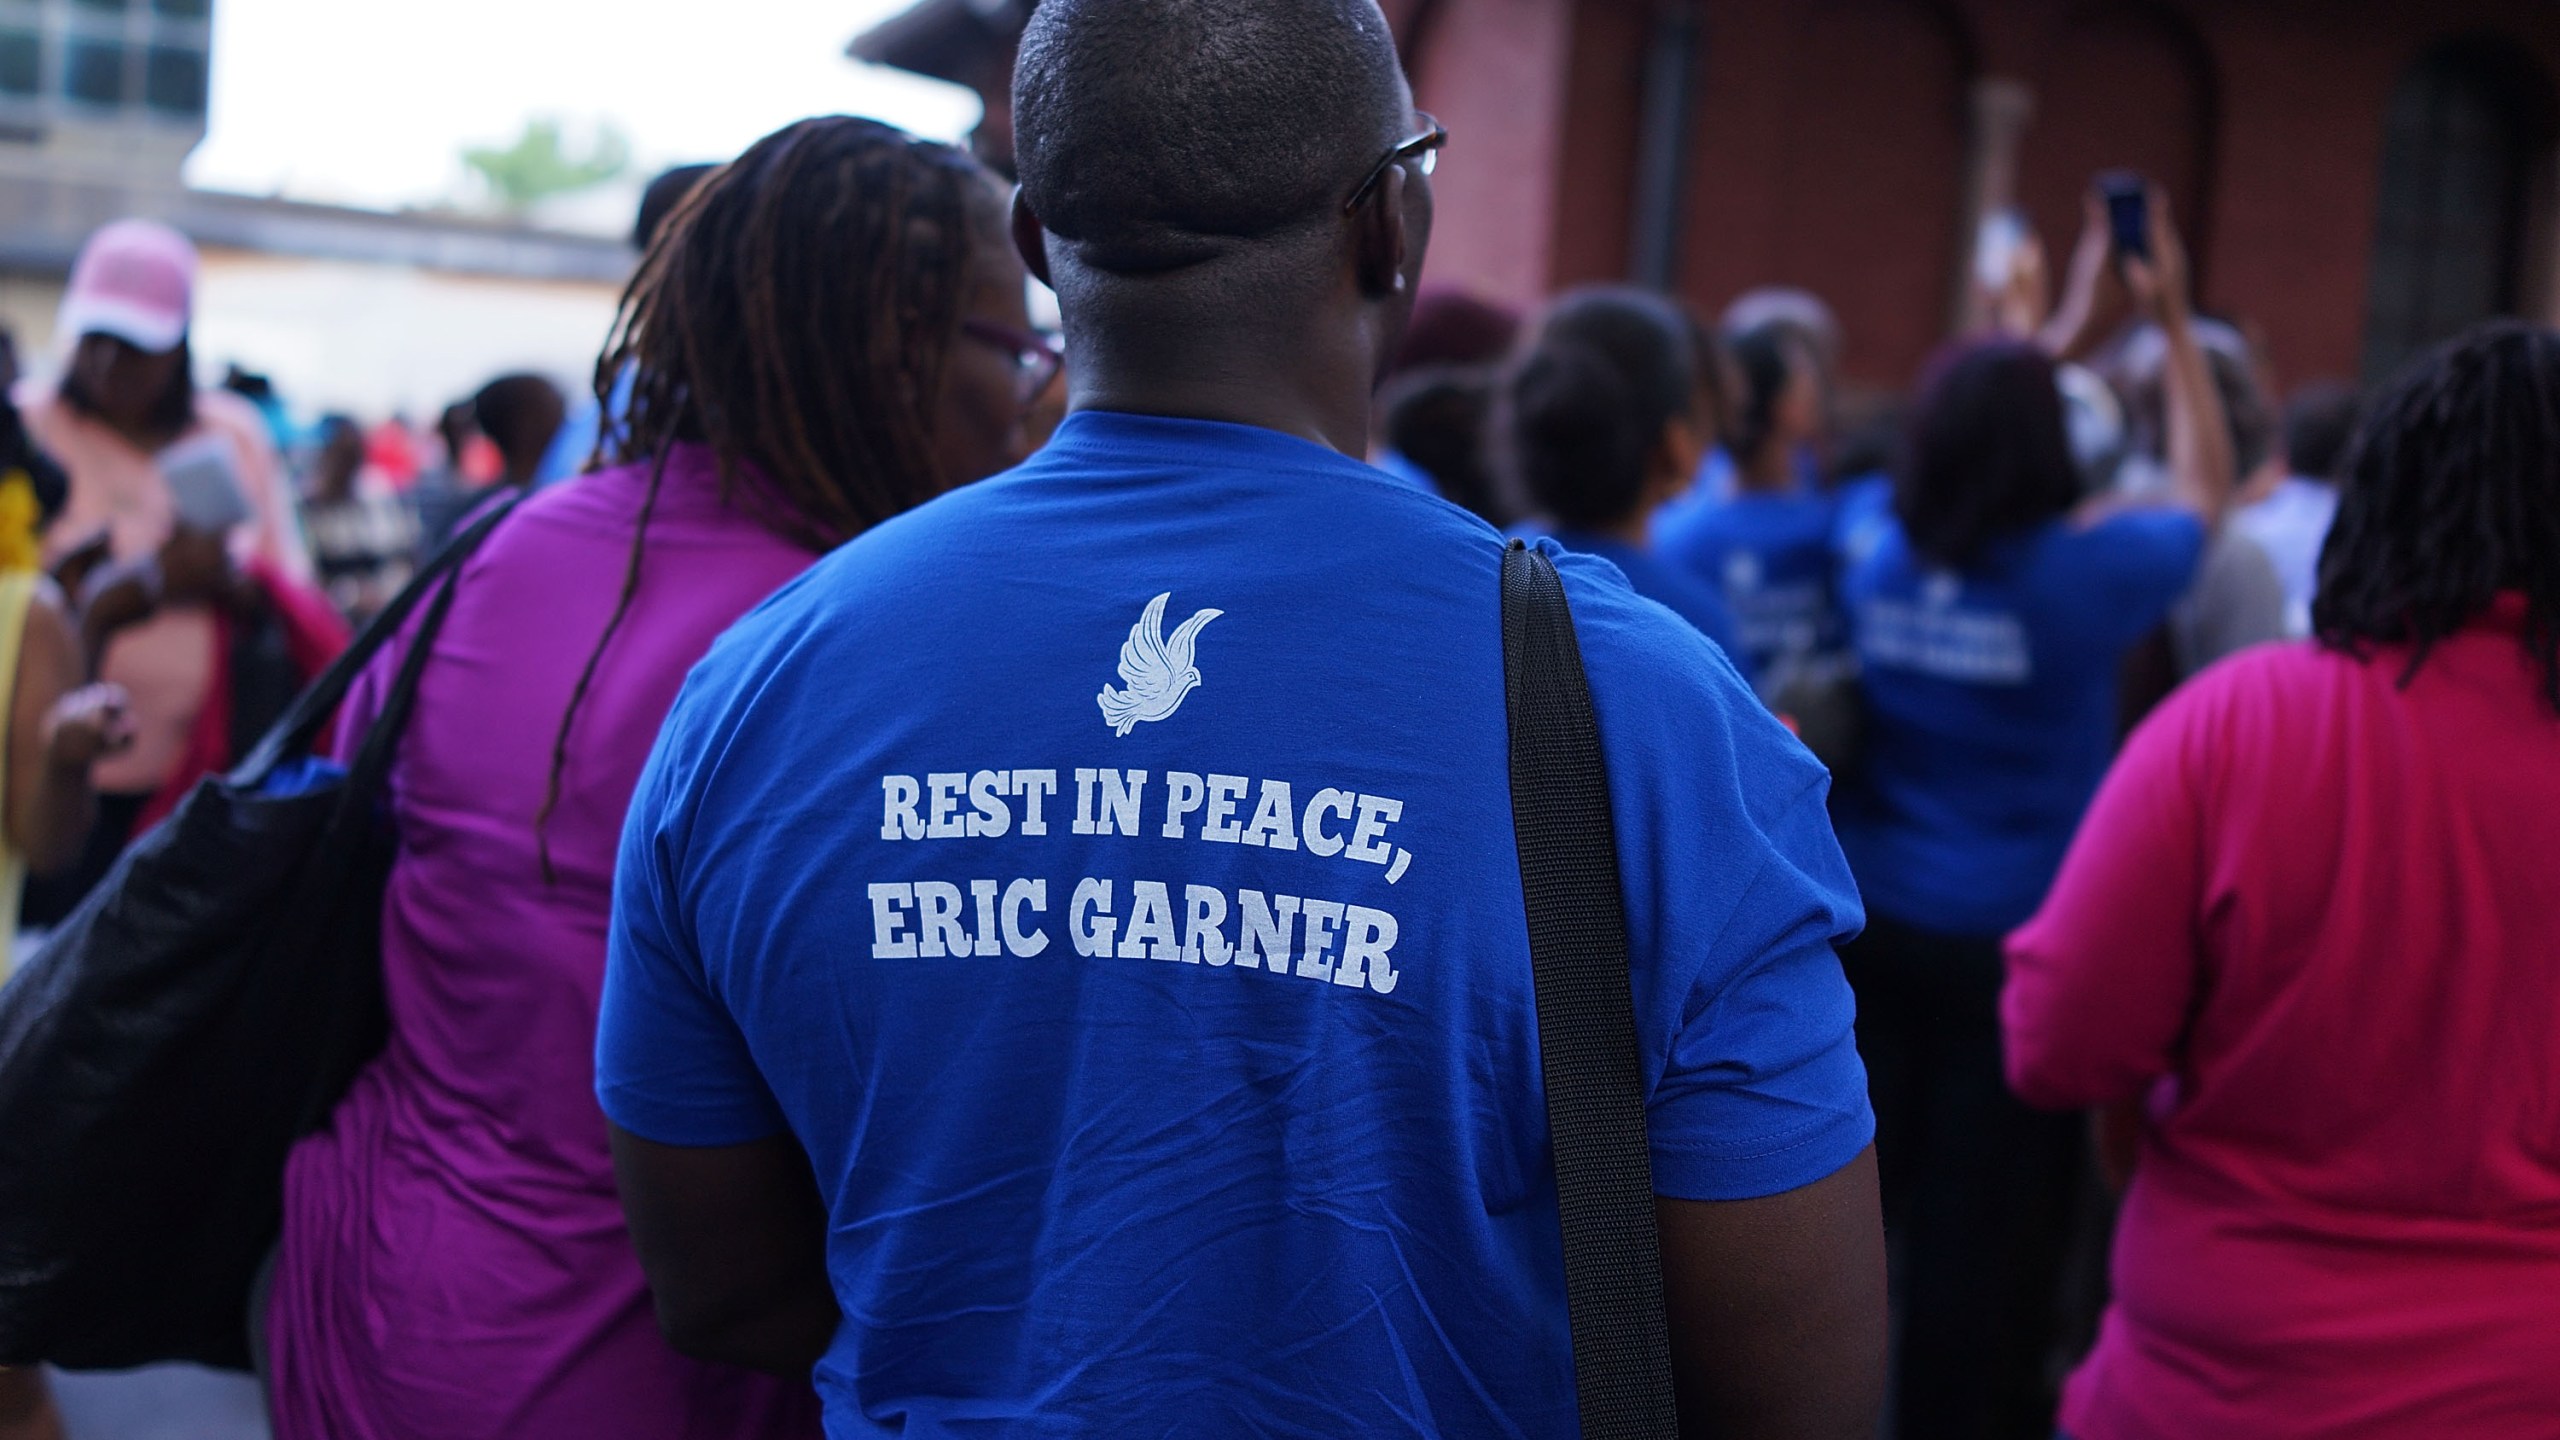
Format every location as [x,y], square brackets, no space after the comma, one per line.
[1586,1013]
[292,735]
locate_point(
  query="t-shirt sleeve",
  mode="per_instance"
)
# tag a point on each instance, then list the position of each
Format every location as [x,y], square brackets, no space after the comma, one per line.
[1763,1090]
[671,1063]
[2139,561]
[1736,895]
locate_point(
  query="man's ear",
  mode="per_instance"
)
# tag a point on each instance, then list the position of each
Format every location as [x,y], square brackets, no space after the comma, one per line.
[1030,240]
[1378,237]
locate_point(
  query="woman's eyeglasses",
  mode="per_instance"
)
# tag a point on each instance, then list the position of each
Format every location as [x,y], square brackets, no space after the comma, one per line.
[1424,147]
[1036,357]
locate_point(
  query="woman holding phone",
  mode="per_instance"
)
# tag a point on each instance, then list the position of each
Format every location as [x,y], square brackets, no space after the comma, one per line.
[154,464]
[1989,619]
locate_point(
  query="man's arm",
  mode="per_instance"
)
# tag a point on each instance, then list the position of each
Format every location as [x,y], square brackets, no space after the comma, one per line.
[733,1239]
[1777,1310]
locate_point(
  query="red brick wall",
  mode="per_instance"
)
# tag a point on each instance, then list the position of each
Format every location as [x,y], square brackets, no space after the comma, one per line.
[1829,153]
[1829,142]
[2300,153]
[2125,87]
[1495,72]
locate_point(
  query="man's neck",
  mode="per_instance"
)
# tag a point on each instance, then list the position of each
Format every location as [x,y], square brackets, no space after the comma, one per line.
[1310,379]
[1268,408]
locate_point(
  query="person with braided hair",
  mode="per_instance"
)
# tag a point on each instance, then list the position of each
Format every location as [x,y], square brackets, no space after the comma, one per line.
[2305,938]
[829,331]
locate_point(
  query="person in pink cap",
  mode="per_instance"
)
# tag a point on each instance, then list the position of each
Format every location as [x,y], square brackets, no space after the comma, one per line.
[125,419]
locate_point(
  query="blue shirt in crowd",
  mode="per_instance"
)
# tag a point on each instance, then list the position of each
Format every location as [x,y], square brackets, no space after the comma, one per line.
[1106,873]
[1991,707]
[1770,557]
[1667,586]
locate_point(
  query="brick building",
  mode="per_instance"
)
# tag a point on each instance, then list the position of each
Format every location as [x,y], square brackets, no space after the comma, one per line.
[2357,177]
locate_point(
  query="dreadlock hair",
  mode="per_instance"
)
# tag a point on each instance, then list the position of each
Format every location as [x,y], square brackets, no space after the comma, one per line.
[792,316]
[2450,496]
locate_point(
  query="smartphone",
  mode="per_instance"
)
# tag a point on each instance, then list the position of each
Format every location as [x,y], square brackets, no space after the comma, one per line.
[204,484]
[2128,212]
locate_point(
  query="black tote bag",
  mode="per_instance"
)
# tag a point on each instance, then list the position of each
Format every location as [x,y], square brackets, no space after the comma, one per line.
[201,1011]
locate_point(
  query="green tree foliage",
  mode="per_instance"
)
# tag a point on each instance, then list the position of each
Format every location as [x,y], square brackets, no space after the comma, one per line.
[538,165]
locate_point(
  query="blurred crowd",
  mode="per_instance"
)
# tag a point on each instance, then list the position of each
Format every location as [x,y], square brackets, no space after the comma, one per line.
[2184,726]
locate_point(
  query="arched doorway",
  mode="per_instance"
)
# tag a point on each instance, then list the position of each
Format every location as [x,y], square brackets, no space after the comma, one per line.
[2467,131]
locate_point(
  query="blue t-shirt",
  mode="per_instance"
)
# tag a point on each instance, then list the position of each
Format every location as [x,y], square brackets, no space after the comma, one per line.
[1106,873]
[1391,462]
[1770,556]
[1991,707]
[1667,586]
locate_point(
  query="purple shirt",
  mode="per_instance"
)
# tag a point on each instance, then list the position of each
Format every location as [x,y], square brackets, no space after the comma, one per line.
[454,1260]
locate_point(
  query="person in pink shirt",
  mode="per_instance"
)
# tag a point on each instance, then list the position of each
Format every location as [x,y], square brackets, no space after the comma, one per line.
[123,409]
[2310,926]
[810,338]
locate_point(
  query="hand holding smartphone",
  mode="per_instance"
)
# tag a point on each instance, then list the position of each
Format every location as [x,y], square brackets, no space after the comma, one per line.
[2128,198]
[2145,243]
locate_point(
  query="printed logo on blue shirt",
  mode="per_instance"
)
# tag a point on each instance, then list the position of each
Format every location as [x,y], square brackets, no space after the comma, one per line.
[1938,637]
[1158,671]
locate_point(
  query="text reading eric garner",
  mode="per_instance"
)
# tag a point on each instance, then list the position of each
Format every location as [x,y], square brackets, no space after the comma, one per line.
[1308,936]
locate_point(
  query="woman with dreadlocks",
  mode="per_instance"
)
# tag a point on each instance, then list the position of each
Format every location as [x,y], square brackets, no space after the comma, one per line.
[830,331]
[2310,925]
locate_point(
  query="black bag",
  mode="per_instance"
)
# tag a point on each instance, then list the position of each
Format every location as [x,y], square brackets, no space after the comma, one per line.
[201,1011]
[1568,847]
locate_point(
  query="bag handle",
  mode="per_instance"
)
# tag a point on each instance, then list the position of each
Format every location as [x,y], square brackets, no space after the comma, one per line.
[294,732]
[373,757]
[1567,841]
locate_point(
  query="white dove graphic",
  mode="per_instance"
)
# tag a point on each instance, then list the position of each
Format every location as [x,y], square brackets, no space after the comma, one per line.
[1157,671]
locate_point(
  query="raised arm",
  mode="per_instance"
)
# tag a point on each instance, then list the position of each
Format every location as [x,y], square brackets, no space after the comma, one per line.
[1777,1310]
[2202,467]
[734,1241]
[2087,290]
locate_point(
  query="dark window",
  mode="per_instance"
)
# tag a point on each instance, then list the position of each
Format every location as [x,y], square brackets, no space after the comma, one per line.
[95,73]
[183,9]
[173,80]
[112,7]
[21,62]
[2457,142]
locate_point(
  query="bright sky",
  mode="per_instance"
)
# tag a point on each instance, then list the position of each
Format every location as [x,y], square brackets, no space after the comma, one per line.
[370,102]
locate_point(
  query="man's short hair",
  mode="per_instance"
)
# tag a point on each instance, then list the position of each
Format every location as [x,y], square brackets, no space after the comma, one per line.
[1153,134]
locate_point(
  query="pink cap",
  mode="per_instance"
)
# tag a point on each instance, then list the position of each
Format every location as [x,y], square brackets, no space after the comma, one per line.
[135,280]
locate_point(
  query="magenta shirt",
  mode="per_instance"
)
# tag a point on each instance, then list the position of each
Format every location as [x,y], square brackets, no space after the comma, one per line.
[454,1261]
[2314,919]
